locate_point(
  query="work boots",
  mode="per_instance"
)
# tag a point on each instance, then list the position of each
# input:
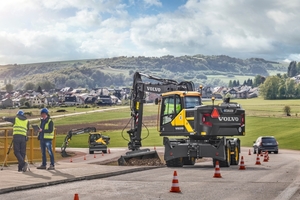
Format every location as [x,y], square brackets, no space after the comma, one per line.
[51,167]
[41,167]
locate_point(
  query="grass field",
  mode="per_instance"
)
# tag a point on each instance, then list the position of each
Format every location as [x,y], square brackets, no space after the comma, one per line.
[286,131]
[263,117]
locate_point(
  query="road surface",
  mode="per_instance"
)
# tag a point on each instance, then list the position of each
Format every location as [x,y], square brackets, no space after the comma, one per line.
[278,179]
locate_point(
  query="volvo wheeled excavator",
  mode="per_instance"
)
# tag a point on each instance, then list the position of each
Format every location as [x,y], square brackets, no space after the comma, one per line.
[200,130]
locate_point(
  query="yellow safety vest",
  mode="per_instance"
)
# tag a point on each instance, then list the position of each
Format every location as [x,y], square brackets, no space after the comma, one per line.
[48,135]
[20,127]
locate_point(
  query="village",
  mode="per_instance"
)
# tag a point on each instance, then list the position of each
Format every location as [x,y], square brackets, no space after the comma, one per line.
[103,96]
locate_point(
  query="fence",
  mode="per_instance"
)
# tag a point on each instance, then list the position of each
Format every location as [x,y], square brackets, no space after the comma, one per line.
[33,151]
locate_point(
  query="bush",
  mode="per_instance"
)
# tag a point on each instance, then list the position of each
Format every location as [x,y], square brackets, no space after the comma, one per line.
[287,110]
[63,106]
[28,113]
[61,110]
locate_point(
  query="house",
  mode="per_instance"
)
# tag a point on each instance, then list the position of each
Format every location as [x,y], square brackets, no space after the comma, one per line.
[70,100]
[51,101]
[7,102]
[233,92]
[35,101]
[90,100]
[104,100]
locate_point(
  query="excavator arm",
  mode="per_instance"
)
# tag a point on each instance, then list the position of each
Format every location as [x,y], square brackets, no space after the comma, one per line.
[68,138]
[138,91]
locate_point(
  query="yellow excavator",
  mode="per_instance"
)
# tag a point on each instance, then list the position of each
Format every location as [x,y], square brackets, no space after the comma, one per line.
[200,130]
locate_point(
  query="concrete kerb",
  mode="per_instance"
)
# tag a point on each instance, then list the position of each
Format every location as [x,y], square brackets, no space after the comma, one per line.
[90,177]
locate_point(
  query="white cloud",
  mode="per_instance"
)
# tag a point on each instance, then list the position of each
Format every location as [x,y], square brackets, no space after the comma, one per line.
[153,3]
[43,30]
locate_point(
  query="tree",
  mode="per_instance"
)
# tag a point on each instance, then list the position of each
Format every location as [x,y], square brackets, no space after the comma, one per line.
[9,88]
[46,85]
[290,88]
[40,90]
[230,84]
[238,83]
[234,83]
[292,69]
[29,86]
[269,89]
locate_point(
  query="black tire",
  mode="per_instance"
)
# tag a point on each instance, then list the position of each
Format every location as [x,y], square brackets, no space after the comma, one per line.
[227,162]
[177,162]
[104,151]
[91,152]
[276,152]
[254,151]
[188,161]
[235,158]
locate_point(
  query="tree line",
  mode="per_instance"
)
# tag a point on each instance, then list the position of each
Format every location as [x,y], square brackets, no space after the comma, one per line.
[282,86]
[249,82]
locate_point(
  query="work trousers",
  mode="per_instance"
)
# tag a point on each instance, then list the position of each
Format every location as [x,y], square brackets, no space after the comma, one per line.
[19,143]
[47,144]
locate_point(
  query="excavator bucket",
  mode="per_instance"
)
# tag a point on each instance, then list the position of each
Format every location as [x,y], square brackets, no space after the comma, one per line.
[140,157]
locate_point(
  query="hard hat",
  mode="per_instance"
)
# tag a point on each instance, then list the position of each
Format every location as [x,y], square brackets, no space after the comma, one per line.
[20,112]
[44,110]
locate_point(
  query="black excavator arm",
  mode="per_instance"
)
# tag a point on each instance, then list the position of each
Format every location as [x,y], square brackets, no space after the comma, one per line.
[138,99]
[68,138]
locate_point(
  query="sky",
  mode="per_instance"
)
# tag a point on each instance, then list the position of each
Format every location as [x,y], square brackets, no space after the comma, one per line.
[34,31]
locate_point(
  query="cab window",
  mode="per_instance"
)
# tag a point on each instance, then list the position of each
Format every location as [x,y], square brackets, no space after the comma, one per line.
[171,106]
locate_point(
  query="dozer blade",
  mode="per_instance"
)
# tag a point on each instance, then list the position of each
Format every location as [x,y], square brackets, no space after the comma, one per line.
[143,154]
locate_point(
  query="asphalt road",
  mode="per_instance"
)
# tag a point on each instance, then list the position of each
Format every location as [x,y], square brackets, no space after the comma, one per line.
[277,179]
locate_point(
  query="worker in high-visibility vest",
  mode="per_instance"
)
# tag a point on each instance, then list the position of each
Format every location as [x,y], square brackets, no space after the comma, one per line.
[46,135]
[20,128]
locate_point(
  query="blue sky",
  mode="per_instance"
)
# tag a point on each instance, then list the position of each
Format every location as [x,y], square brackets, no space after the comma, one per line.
[42,30]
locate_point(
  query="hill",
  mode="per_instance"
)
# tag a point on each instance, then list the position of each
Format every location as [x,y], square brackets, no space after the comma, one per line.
[116,71]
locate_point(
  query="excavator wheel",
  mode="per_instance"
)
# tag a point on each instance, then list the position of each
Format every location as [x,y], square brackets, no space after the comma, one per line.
[235,158]
[177,162]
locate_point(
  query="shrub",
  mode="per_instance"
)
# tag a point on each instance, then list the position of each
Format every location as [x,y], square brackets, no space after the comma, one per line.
[28,113]
[61,110]
[287,110]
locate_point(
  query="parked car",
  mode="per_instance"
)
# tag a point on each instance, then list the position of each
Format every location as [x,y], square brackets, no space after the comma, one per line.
[265,143]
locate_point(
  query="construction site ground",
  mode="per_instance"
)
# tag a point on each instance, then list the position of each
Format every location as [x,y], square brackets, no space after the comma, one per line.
[80,166]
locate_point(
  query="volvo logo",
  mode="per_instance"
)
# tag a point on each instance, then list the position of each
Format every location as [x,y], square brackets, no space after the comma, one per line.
[153,89]
[228,119]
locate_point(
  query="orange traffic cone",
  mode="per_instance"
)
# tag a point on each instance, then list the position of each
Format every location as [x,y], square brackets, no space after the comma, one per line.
[268,155]
[249,152]
[108,150]
[71,159]
[94,155]
[102,153]
[261,153]
[265,157]
[257,160]
[84,158]
[175,184]
[242,165]
[217,171]
[76,197]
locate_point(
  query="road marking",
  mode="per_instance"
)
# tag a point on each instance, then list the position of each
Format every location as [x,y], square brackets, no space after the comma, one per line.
[289,192]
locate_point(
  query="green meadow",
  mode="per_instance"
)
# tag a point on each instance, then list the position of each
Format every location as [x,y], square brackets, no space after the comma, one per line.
[263,118]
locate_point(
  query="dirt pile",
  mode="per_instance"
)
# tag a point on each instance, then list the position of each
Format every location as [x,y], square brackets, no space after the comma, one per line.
[144,162]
